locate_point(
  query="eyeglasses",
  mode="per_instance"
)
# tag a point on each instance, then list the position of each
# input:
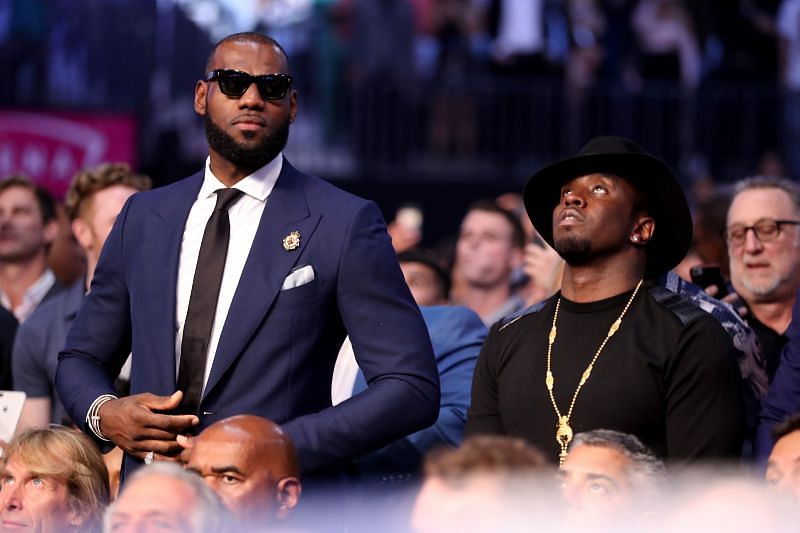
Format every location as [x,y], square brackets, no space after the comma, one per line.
[765,230]
[235,83]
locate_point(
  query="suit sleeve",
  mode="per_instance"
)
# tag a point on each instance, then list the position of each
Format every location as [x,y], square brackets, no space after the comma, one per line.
[391,346]
[483,416]
[99,340]
[783,398]
[705,402]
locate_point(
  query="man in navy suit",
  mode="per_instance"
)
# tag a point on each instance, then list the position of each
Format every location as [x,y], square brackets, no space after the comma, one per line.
[306,264]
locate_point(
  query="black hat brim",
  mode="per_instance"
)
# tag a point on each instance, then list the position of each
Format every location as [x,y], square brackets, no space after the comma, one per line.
[665,199]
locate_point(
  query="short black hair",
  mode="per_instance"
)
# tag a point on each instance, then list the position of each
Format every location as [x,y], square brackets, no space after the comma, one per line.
[245,37]
[430,260]
[45,200]
[491,206]
[789,425]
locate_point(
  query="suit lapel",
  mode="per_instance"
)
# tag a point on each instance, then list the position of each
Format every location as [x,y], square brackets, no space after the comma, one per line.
[268,264]
[172,212]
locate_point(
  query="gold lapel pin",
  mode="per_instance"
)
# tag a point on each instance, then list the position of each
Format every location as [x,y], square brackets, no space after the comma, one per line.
[291,241]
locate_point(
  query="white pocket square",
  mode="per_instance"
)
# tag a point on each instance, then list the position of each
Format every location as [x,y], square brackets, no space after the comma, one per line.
[298,277]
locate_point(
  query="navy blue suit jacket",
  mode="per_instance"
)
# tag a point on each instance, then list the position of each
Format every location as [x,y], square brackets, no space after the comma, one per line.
[783,398]
[277,348]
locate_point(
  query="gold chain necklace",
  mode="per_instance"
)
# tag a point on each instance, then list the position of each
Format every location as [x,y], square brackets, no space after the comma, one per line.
[563,429]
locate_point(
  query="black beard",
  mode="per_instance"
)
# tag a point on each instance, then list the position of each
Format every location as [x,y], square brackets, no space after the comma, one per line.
[242,155]
[574,250]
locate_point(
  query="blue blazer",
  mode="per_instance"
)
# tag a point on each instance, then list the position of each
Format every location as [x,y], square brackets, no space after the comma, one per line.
[277,348]
[457,334]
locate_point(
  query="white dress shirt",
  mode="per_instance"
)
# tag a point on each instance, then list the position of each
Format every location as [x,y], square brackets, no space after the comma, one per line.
[244,216]
[32,298]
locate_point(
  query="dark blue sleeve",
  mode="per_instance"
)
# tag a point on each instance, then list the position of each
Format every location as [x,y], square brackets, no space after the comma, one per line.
[392,348]
[783,398]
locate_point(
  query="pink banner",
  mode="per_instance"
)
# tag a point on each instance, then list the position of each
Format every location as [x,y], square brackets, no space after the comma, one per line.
[50,147]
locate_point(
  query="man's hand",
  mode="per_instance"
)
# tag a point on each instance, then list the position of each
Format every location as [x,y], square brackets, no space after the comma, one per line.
[544,267]
[133,424]
[731,298]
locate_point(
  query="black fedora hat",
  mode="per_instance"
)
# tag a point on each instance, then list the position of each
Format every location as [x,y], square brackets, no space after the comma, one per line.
[619,156]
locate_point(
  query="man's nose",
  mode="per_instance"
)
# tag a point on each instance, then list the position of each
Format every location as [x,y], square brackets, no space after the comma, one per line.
[574,198]
[10,497]
[751,242]
[251,99]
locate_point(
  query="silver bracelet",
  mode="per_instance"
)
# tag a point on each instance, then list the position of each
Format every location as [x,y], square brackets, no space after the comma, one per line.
[93,416]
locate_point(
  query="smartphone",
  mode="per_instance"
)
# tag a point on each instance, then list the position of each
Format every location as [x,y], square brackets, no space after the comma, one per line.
[11,403]
[707,275]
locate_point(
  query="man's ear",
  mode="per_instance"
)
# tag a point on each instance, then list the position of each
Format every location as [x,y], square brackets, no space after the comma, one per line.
[82,232]
[200,91]
[50,231]
[288,492]
[643,230]
[292,107]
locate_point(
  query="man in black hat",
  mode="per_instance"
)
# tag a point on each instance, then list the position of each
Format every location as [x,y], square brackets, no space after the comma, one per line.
[612,349]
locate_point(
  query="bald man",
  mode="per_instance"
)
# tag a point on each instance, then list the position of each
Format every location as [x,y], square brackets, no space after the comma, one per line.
[252,464]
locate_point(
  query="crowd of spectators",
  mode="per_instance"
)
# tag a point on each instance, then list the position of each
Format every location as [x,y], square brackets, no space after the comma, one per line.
[244,473]
[496,265]
[427,82]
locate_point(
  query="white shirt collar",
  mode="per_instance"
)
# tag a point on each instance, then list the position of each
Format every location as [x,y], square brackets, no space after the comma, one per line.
[33,296]
[259,184]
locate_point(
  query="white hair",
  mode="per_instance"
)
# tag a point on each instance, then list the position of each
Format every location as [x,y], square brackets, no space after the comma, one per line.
[209,515]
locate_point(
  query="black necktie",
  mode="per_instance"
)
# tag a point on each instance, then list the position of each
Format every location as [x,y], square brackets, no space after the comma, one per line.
[203,301]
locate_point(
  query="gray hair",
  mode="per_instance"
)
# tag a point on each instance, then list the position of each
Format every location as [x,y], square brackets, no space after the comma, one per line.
[647,473]
[770,182]
[210,515]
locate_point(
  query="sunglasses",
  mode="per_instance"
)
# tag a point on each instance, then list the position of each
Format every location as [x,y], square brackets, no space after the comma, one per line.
[235,83]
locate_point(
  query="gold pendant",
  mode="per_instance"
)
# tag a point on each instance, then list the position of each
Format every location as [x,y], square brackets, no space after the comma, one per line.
[564,432]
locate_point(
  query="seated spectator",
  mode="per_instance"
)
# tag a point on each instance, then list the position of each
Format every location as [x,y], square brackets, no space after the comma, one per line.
[488,251]
[252,465]
[426,276]
[28,221]
[95,197]
[608,476]
[54,480]
[484,485]
[783,466]
[763,236]
[165,497]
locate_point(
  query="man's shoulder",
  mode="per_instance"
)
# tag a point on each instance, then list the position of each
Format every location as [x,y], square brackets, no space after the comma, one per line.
[677,305]
[685,299]
[321,192]
[60,306]
[513,318]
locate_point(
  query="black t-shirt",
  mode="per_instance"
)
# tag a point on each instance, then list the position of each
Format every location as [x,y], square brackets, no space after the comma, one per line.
[771,342]
[668,376]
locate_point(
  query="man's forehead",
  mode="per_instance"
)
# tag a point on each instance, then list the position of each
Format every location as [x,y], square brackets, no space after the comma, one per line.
[18,193]
[213,452]
[600,459]
[767,202]
[250,55]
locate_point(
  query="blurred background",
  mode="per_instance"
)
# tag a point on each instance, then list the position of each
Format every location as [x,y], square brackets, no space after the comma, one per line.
[433,102]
